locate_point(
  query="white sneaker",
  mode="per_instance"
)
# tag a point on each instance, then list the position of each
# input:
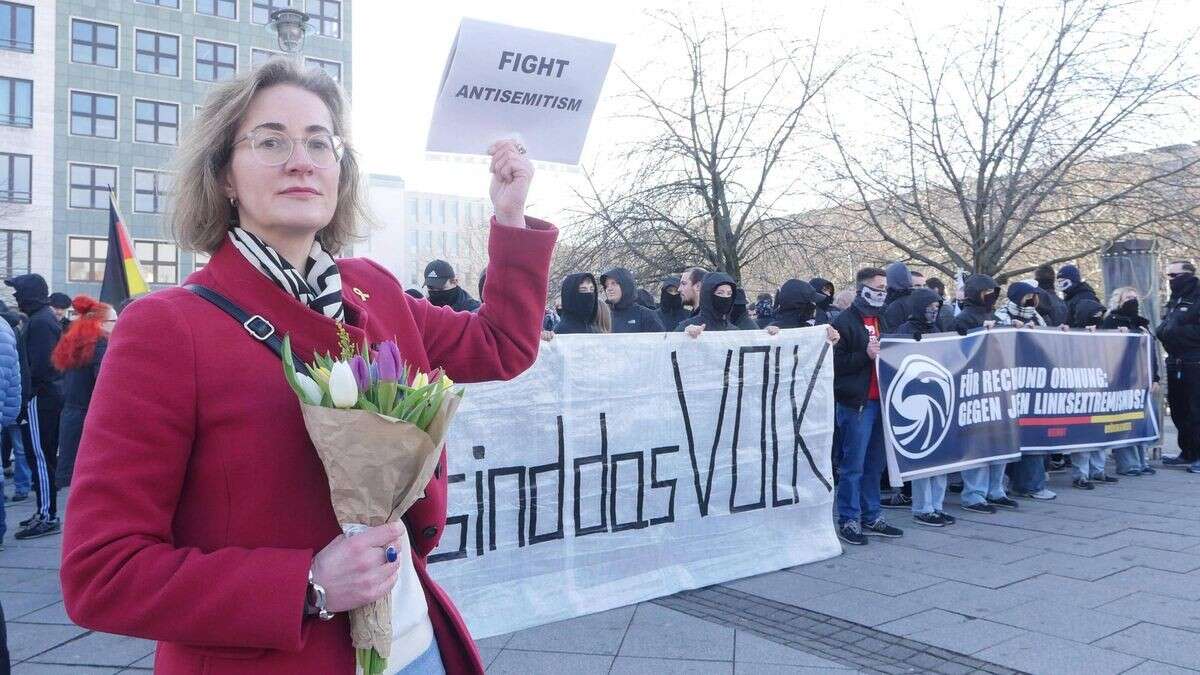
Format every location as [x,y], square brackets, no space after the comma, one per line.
[1043,494]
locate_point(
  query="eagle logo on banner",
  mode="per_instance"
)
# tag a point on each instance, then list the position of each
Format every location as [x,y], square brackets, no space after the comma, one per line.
[919,405]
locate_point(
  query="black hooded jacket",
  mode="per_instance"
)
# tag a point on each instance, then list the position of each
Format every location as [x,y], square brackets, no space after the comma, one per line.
[578,309]
[1083,307]
[795,305]
[852,367]
[741,314]
[19,323]
[1179,330]
[670,307]
[41,336]
[627,315]
[706,314]
[1135,323]
[898,306]
[918,324]
[975,310]
[455,298]
[824,300]
[1050,306]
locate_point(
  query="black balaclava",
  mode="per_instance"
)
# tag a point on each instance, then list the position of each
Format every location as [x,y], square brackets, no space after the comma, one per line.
[1184,284]
[722,306]
[668,302]
[1128,308]
[576,304]
[445,297]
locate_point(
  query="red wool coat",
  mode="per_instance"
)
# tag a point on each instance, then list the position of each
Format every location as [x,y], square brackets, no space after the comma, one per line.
[198,501]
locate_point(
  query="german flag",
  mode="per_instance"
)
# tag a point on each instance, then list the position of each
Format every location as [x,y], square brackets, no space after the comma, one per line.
[122,276]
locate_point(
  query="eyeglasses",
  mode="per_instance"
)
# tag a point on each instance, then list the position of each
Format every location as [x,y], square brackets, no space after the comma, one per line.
[272,148]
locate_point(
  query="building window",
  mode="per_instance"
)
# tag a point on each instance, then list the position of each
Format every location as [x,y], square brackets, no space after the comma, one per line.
[14,253]
[411,206]
[155,122]
[260,11]
[150,190]
[173,4]
[16,102]
[261,56]
[226,9]
[427,207]
[15,177]
[414,240]
[85,258]
[16,27]
[429,240]
[200,259]
[328,16]
[157,53]
[93,115]
[215,61]
[94,43]
[331,68]
[90,185]
[159,260]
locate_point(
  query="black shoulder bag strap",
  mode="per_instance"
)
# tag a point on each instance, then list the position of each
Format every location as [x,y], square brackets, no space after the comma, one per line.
[259,328]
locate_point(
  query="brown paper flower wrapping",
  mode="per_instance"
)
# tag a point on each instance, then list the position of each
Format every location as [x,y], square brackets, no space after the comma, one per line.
[377,468]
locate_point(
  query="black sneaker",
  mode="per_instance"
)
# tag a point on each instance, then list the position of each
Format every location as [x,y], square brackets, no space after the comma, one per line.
[1056,466]
[1177,460]
[1148,471]
[1082,484]
[956,488]
[1105,479]
[851,533]
[982,507]
[19,497]
[1003,502]
[897,501]
[42,528]
[929,519]
[947,518]
[880,528]
[30,520]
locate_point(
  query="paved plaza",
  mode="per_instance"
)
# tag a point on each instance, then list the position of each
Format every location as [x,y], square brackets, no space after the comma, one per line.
[1098,582]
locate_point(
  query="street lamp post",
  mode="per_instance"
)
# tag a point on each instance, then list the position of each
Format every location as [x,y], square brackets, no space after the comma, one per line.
[290,27]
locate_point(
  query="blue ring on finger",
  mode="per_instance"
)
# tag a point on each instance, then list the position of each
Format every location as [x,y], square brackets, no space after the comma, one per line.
[391,554]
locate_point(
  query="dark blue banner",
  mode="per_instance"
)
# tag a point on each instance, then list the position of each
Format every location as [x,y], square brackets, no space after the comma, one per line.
[951,402]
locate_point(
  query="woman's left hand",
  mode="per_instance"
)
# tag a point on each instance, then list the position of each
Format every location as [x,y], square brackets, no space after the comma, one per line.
[512,172]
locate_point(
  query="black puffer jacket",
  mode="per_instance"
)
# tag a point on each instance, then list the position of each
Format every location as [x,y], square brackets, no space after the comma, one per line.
[707,315]
[979,304]
[795,305]
[918,324]
[627,315]
[898,306]
[578,309]
[1050,306]
[41,335]
[1179,330]
[1083,307]
[741,314]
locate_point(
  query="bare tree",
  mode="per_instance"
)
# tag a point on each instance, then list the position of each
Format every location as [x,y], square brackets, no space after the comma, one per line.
[709,184]
[1014,150]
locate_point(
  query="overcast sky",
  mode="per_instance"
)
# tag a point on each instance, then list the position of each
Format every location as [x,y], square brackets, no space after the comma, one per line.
[400,50]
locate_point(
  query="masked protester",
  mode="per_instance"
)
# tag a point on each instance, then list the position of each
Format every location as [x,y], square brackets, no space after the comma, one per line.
[1124,314]
[764,310]
[898,306]
[857,412]
[796,305]
[627,315]
[579,299]
[1179,333]
[928,494]
[1083,307]
[717,292]
[670,304]
[1050,305]
[978,303]
[741,313]
[444,290]
[825,291]
[1021,308]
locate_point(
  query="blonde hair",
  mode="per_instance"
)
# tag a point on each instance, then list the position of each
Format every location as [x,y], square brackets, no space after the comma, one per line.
[1114,300]
[603,317]
[200,210]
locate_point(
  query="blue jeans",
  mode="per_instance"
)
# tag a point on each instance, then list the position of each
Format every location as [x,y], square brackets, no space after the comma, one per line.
[3,517]
[861,464]
[428,663]
[1088,465]
[928,494]
[1131,458]
[1029,474]
[22,478]
[983,483]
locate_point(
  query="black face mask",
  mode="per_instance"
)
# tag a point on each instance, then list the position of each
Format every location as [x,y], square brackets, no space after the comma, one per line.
[581,305]
[444,297]
[824,300]
[1129,308]
[989,299]
[722,306]
[804,310]
[1183,284]
[669,302]
[1032,302]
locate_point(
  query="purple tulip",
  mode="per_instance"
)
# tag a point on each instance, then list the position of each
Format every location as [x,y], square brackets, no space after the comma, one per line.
[389,361]
[362,374]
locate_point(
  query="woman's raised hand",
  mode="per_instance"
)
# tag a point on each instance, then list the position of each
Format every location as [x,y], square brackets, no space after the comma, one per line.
[512,172]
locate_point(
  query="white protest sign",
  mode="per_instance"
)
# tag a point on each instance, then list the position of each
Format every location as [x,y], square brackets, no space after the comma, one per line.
[501,80]
[622,468]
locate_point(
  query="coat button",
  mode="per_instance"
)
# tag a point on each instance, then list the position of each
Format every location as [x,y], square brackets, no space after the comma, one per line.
[429,532]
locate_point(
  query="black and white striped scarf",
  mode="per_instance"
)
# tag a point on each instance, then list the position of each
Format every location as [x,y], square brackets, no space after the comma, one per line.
[320,287]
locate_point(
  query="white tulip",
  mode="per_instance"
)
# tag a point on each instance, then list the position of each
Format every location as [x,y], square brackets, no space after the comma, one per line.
[310,389]
[342,387]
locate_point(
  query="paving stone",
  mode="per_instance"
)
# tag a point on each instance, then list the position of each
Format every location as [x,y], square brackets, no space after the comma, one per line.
[1065,621]
[28,668]
[146,662]
[658,632]
[871,577]
[865,607]
[487,655]
[1167,561]
[20,580]
[754,649]
[1080,546]
[1159,609]
[1172,584]
[776,669]
[599,633]
[1054,589]
[629,665]
[514,662]
[1158,668]
[988,551]
[17,605]
[98,649]
[26,640]
[785,587]
[495,642]
[55,613]
[1076,567]
[967,637]
[922,621]
[972,601]
[1167,541]
[1037,654]
[985,531]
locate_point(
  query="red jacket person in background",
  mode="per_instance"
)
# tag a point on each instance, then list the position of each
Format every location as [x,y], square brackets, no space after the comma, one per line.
[199,508]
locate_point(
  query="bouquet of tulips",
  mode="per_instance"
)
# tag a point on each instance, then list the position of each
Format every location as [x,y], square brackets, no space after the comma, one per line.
[378,427]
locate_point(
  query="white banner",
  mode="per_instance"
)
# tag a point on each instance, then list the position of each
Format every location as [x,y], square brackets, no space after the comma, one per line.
[622,468]
[501,80]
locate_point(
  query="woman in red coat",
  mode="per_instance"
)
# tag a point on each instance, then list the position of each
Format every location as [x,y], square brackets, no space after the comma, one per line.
[200,513]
